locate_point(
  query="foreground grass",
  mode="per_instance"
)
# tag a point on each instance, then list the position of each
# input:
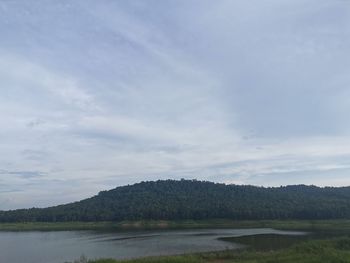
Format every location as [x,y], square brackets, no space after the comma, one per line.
[328,251]
[180,224]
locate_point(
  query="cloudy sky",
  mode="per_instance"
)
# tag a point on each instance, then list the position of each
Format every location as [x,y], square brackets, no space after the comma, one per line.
[97,94]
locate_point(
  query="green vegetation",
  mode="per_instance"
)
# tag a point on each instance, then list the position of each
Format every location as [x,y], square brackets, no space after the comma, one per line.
[333,250]
[190,199]
[268,242]
[307,225]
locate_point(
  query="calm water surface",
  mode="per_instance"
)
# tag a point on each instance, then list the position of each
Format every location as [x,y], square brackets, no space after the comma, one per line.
[58,247]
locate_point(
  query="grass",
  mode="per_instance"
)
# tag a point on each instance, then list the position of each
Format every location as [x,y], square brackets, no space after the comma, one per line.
[178,224]
[314,251]
[267,242]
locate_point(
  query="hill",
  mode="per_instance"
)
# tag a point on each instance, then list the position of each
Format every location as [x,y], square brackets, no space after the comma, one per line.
[191,199]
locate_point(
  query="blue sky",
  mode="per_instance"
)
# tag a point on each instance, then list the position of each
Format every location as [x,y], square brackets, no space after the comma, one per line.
[97,94]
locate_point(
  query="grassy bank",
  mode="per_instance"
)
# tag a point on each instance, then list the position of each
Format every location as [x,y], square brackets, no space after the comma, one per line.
[333,250]
[183,224]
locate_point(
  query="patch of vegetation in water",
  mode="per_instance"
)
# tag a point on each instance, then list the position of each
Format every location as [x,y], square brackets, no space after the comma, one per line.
[266,242]
[312,251]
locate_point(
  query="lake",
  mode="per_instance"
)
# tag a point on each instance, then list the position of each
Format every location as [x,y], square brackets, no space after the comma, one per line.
[61,246]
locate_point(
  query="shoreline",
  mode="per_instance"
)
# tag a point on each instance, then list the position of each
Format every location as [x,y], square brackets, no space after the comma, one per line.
[341,224]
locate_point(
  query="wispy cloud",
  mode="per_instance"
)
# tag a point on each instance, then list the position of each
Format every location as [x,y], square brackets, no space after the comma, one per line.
[22,174]
[20,74]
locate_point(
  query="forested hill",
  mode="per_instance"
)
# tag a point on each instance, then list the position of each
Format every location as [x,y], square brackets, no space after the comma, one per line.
[187,199]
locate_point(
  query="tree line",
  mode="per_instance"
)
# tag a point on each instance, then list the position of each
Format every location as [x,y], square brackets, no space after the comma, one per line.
[192,199]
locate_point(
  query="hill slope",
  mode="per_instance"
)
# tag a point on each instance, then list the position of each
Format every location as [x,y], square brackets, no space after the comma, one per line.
[187,199]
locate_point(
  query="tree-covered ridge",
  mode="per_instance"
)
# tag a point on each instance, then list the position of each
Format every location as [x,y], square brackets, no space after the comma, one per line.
[191,199]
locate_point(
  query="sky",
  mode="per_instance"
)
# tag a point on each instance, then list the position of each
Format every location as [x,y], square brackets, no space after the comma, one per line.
[98,94]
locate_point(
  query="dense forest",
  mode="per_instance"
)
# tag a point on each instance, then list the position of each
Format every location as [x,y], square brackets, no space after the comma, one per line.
[191,199]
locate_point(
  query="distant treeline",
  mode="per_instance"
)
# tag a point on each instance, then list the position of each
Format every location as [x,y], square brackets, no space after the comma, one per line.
[191,199]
